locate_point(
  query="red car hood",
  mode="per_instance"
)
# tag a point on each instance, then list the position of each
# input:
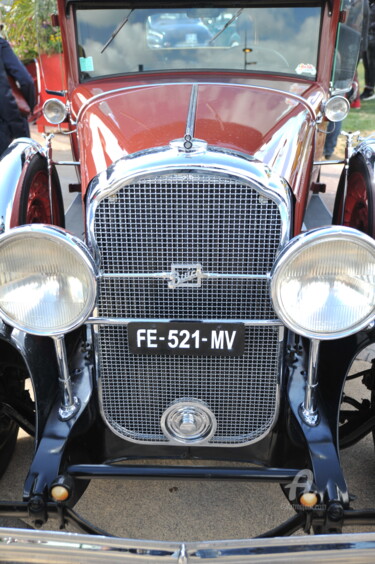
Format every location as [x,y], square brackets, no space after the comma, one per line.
[272,125]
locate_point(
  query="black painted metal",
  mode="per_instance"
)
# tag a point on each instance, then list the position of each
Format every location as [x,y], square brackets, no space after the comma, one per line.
[39,358]
[363,517]
[59,511]
[287,528]
[18,417]
[50,453]
[89,471]
[329,481]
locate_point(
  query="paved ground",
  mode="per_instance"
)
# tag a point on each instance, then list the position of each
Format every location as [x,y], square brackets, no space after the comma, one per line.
[186,510]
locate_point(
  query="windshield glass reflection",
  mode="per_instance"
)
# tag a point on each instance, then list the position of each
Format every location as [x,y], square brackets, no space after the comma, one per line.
[270,39]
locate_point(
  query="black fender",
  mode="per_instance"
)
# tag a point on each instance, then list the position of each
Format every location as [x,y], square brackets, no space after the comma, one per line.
[39,358]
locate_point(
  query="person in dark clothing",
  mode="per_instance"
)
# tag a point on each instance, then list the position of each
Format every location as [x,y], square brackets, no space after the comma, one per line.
[18,71]
[368,57]
[12,123]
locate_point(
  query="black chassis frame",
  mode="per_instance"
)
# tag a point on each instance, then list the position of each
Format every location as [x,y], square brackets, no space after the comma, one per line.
[75,451]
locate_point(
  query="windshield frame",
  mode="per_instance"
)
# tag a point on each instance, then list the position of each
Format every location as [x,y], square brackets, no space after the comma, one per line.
[180,4]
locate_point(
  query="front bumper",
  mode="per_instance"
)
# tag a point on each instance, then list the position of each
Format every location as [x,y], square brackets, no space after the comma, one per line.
[24,546]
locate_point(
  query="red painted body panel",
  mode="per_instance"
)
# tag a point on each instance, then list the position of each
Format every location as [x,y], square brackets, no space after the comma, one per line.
[237,110]
[271,125]
[48,73]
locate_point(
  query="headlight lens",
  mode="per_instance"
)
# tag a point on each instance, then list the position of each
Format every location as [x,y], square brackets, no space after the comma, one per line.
[54,111]
[47,280]
[337,108]
[323,283]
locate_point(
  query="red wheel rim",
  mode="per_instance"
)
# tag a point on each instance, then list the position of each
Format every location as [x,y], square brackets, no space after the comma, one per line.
[38,205]
[356,204]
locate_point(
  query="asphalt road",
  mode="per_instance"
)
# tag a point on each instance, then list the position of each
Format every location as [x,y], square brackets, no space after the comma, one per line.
[190,510]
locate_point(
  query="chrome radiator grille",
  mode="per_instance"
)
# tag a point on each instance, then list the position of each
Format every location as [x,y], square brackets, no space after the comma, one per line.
[229,228]
[239,390]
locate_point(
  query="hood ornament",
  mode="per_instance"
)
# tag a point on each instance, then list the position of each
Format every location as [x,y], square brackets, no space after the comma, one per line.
[189,144]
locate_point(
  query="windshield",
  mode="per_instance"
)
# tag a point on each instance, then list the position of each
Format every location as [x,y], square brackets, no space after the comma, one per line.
[348,43]
[270,39]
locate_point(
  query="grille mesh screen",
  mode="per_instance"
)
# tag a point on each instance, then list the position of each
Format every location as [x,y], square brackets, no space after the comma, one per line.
[240,391]
[227,227]
[148,299]
[222,224]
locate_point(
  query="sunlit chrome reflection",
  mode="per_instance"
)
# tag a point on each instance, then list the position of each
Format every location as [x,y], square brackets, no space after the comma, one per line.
[47,280]
[323,284]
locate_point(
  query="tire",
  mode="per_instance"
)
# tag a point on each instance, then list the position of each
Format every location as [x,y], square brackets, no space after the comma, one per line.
[34,198]
[359,203]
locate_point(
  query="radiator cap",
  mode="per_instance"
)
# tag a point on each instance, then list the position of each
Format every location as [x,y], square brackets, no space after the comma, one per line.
[188,421]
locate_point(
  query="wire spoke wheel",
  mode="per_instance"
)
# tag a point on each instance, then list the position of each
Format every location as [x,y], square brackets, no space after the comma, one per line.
[359,201]
[35,204]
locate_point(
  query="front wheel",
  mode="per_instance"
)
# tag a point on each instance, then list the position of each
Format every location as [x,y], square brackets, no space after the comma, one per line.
[359,202]
[35,200]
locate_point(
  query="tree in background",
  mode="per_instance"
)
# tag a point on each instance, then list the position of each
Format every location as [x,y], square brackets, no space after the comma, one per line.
[29,30]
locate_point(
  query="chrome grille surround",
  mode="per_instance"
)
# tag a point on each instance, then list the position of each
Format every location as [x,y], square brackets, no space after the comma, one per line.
[230,215]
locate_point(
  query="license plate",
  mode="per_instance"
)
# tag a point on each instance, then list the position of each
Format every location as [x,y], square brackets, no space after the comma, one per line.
[187,338]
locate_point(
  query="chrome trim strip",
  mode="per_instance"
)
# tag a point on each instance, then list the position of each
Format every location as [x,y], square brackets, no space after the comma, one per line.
[322,163]
[70,404]
[38,80]
[38,546]
[167,160]
[12,163]
[308,409]
[190,123]
[291,95]
[48,139]
[205,275]
[127,320]
[67,163]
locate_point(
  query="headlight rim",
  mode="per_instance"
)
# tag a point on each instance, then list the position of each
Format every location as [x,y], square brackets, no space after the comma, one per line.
[293,249]
[69,240]
[62,108]
[332,114]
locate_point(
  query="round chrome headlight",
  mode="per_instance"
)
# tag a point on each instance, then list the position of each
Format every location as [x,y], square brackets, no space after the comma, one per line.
[54,111]
[336,108]
[323,283]
[47,280]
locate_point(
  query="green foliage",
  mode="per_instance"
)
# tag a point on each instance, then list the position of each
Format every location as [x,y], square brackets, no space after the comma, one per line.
[361,119]
[29,30]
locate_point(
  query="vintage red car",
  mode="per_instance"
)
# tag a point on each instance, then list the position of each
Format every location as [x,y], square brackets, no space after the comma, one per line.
[197,319]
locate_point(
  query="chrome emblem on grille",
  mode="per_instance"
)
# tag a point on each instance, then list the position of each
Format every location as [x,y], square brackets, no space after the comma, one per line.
[185,276]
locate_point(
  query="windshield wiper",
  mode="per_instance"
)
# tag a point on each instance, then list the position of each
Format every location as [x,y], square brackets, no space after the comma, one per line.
[236,15]
[118,28]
